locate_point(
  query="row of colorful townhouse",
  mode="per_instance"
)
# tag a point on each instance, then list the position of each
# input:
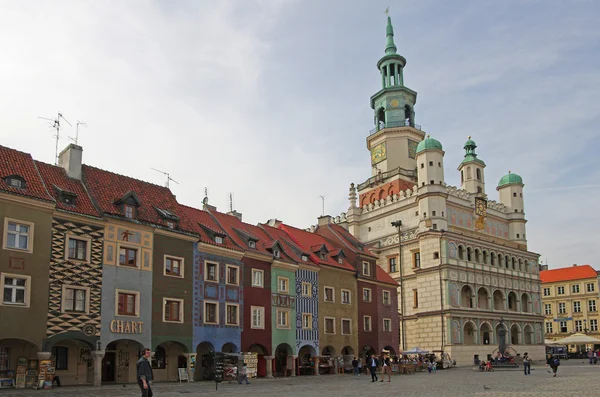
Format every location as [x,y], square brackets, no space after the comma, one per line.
[95,266]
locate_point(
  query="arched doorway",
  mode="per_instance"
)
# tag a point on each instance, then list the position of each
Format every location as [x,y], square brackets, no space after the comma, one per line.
[229,348]
[168,357]
[119,362]
[482,299]
[327,360]
[306,360]
[73,360]
[528,331]
[203,368]
[515,335]
[282,366]
[498,300]
[466,297]
[261,352]
[348,356]
[469,333]
[391,350]
[366,351]
[485,334]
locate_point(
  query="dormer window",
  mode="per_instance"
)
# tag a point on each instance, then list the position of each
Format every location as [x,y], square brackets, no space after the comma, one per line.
[323,256]
[65,196]
[251,244]
[366,269]
[304,258]
[340,260]
[218,239]
[170,225]
[15,181]
[276,253]
[128,210]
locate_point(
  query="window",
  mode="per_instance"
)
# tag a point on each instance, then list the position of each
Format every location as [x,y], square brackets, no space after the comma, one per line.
[306,290]
[218,239]
[575,288]
[422,165]
[346,326]
[366,294]
[392,262]
[77,249]
[548,308]
[563,326]
[304,258]
[15,181]
[590,287]
[211,271]
[306,321]
[74,299]
[232,314]
[4,358]
[436,255]
[128,211]
[548,327]
[18,235]
[170,225]
[576,307]
[128,257]
[431,163]
[329,294]
[329,325]
[61,355]
[546,291]
[283,319]
[232,274]
[367,323]
[173,310]
[578,326]
[591,305]
[387,325]
[340,260]
[15,289]
[562,309]
[127,303]
[560,290]
[366,269]
[276,253]
[282,284]
[173,266]
[251,244]
[258,278]
[386,297]
[345,297]
[594,325]
[258,317]
[416,259]
[211,313]
[415,298]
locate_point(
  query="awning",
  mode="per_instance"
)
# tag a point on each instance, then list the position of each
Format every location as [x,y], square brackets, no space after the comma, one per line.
[576,339]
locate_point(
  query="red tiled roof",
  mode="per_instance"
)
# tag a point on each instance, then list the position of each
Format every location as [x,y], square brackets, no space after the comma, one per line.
[14,162]
[384,277]
[57,176]
[568,274]
[289,245]
[352,242]
[106,188]
[195,220]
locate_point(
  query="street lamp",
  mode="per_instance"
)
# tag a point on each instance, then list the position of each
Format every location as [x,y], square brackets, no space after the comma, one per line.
[398,225]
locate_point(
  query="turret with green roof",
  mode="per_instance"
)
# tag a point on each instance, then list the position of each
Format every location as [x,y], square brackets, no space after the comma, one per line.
[510,179]
[472,170]
[429,144]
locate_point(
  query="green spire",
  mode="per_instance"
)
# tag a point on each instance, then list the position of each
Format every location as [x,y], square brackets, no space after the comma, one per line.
[470,154]
[390,48]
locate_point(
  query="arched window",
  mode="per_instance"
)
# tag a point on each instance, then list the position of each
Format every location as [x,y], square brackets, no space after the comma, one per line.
[469,254]
[461,252]
[477,256]
[381,118]
[469,173]
[486,258]
[478,174]
[462,176]
[493,259]
[506,261]
[408,114]
[521,265]
[514,263]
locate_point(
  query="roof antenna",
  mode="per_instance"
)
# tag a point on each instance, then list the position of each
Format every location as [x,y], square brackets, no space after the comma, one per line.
[79,122]
[323,200]
[169,179]
[205,199]
[56,125]
[231,202]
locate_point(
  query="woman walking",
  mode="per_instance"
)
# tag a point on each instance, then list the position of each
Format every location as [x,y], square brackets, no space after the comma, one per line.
[553,363]
[387,368]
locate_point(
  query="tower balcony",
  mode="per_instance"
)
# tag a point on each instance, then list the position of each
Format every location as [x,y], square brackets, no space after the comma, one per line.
[395,124]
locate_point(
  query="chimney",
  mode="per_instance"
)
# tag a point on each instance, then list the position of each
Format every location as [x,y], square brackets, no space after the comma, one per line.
[574,264]
[543,267]
[70,160]
[236,214]
[324,220]
[274,222]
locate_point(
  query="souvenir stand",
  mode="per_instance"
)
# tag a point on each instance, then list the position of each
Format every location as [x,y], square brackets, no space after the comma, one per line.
[326,365]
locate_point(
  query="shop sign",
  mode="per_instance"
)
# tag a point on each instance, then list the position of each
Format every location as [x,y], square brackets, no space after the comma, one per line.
[126,327]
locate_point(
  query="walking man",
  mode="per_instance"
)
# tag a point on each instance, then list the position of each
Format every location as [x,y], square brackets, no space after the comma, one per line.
[144,373]
[244,375]
[373,367]
[526,364]
[355,366]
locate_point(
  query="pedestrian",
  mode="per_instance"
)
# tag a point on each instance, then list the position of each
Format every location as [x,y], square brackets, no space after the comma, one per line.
[359,366]
[244,375]
[355,366]
[553,363]
[144,373]
[434,369]
[590,355]
[387,368]
[596,357]
[373,362]
[526,364]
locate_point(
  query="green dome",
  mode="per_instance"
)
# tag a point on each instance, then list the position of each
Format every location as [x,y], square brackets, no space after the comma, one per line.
[510,179]
[429,144]
[470,143]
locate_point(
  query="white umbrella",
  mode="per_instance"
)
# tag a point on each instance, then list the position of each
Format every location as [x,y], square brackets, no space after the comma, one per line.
[576,339]
[416,350]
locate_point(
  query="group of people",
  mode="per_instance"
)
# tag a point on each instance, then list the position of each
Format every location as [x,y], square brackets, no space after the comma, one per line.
[383,364]
[593,356]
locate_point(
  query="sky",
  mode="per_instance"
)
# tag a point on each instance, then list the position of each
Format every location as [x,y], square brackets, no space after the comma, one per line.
[269,99]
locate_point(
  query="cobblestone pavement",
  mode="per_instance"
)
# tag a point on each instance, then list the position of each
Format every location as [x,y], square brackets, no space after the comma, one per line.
[574,379]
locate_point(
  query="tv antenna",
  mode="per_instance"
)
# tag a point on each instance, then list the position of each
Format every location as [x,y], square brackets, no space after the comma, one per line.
[79,122]
[56,125]
[169,179]
[323,200]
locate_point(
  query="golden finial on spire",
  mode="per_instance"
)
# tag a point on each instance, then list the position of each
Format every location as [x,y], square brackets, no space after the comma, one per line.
[428,136]
[469,137]
[509,171]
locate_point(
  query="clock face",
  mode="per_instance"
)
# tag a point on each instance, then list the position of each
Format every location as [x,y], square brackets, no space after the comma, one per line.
[378,153]
[394,103]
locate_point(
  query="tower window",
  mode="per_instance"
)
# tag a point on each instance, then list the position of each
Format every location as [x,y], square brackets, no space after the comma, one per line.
[439,163]
[478,174]
[516,210]
[479,189]
[422,165]
[416,213]
[431,163]
[462,176]
[432,213]
[431,182]
[521,194]
[435,226]
[517,235]
[442,213]
[514,194]
[423,184]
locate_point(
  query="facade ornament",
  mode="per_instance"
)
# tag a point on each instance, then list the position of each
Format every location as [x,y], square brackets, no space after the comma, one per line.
[352,196]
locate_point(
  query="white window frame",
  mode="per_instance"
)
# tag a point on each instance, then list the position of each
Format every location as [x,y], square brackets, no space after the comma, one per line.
[251,244]
[342,325]
[560,326]
[592,302]
[287,312]
[304,258]
[547,308]
[325,288]
[261,310]
[370,293]
[370,328]
[63,300]
[306,316]
[562,309]
[576,307]
[181,266]
[368,268]
[30,235]
[575,287]
[390,322]
[137,302]
[125,208]
[549,327]
[138,256]
[590,287]
[262,278]
[237,272]
[218,240]
[325,325]
[389,295]
[349,297]
[287,285]
[308,286]
[560,290]
[578,325]
[594,324]
[206,263]
[164,311]
[546,290]
[237,323]
[204,312]
[88,241]
[27,295]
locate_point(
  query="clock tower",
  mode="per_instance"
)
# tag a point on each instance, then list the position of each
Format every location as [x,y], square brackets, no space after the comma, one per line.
[393,141]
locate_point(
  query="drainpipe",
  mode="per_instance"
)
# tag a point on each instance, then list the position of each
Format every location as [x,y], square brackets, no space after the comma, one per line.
[398,225]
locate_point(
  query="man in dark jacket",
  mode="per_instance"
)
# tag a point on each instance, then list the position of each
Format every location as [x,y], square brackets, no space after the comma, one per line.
[373,363]
[355,366]
[144,373]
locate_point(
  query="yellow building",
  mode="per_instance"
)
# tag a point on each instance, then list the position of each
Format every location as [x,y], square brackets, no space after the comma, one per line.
[570,303]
